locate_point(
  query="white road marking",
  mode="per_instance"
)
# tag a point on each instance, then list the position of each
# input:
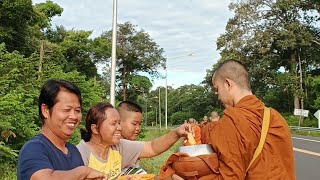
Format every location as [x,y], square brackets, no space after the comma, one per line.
[306,152]
[305,139]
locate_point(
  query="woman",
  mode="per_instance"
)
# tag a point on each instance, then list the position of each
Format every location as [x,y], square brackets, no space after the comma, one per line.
[102,149]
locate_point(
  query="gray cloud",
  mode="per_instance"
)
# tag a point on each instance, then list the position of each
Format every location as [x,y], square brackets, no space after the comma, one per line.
[180,27]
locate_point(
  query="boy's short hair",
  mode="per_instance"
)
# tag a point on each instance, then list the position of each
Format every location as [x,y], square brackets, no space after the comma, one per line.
[129,106]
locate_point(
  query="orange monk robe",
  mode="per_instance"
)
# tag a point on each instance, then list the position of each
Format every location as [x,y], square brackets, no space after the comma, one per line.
[197,133]
[205,133]
[237,134]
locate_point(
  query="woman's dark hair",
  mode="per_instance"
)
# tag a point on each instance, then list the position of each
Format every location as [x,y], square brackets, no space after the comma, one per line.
[50,90]
[96,115]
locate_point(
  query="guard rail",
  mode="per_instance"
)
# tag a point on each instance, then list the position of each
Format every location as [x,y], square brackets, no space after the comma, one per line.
[304,128]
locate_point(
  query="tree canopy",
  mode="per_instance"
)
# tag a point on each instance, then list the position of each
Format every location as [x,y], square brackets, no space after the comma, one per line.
[136,52]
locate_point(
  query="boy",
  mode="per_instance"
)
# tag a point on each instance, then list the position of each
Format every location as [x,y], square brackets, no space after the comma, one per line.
[131,119]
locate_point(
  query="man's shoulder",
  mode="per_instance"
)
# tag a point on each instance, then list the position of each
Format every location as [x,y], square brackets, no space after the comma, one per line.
[38,141]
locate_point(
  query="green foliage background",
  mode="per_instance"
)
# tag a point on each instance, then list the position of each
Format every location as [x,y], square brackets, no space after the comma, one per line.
[271,38]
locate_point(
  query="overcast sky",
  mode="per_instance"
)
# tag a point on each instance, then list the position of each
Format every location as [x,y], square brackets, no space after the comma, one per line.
[180,27]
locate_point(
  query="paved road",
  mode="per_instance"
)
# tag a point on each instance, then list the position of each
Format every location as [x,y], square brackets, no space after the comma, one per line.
[307,157]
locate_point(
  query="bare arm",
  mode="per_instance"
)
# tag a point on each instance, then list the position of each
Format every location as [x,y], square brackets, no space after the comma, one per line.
[163,143]
[79,173]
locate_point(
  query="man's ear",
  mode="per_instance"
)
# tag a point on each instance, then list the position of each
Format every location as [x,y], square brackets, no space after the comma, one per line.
[228,83]
[94,129]
[45,111]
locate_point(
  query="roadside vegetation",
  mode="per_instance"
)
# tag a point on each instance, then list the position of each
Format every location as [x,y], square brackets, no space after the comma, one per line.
[277,40]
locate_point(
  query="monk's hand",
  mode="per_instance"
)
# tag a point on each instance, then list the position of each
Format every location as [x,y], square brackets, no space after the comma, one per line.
[176,177]
[183,130]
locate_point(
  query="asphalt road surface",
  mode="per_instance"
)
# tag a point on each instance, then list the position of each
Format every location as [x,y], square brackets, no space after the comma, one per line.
[307,157]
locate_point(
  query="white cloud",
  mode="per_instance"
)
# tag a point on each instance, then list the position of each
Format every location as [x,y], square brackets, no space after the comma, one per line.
[180,27]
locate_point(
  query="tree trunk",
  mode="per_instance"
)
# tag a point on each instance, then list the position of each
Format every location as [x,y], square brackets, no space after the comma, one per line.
[295,74]
[124,85]
[296,102]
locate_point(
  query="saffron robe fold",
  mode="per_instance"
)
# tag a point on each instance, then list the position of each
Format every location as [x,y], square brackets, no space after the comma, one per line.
[236,136]
[205,133]
[197,133]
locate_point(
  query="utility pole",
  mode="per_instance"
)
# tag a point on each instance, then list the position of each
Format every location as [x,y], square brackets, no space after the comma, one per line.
[113,54]
[40,61]
[166,101]
[146,111]
[301,90]
[156,117]
[159,109]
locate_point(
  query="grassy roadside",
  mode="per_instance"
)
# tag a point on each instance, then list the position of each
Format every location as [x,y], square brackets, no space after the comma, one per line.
[153,165]
[306,133]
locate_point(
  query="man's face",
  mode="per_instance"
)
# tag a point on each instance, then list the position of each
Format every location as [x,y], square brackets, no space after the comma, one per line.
[221,89]
[63,118]
[130,124]
[110,129]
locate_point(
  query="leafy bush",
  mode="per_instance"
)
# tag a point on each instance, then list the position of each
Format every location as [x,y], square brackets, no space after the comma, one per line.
[179,117]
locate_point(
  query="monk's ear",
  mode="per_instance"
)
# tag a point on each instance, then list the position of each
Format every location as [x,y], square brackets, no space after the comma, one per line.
[228,83]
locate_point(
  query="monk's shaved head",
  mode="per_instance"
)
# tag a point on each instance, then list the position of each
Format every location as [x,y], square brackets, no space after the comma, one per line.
[214,114]
[234,71]
[191,120]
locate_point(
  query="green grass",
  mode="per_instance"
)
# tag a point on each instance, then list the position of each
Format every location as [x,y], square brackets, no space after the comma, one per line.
[153,165]
[306,133]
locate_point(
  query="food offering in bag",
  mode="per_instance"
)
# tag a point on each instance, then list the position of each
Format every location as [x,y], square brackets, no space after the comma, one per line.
[190,140]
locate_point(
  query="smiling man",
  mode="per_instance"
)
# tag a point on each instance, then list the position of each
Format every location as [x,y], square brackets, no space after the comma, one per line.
[48,155]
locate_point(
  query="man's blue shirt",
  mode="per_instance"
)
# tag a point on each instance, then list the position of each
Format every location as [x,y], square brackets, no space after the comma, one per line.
[39,153]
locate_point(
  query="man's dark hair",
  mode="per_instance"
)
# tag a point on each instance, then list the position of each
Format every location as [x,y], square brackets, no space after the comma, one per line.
[129,106]
[50,90]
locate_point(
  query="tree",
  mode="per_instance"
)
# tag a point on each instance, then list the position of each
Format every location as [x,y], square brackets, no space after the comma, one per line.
[136,52]
[80,52]
[179,117]
[268,35]
[17,100]
[138,85]
[46,11]
[16,17]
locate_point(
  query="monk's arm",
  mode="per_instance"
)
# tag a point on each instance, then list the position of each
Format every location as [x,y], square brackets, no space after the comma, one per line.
[163,143]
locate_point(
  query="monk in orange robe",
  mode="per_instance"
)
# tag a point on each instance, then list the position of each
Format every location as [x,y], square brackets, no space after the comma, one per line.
[205,131]
[236,135]
[196,132]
